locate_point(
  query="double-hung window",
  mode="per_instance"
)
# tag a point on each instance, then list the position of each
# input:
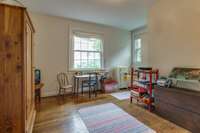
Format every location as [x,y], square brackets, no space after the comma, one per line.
[138,50]
[87,52]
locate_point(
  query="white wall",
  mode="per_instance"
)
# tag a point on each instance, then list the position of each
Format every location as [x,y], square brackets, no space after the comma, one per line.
[174,34]
[52,41]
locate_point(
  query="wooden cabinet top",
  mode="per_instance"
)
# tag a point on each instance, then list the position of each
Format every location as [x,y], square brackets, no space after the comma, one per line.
[179,90]
[2,5]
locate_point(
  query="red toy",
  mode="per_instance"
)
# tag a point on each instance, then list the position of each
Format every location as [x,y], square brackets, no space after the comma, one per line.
[109,85]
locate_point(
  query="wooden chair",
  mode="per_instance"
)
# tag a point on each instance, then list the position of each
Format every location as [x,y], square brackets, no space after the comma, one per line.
[92,83]
[64,86]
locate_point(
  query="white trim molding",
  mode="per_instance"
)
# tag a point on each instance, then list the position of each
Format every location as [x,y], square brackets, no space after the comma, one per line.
[86,33]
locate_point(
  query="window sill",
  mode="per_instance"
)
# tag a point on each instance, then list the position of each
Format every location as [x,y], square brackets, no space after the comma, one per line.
[85,70]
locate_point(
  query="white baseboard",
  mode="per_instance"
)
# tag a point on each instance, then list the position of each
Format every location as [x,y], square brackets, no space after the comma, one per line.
[50,93]
[55,92]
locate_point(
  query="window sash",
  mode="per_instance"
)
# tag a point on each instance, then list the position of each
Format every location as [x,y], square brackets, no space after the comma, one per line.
[87,43]
[88,50]
[138,50]
[138,55]
[87,59]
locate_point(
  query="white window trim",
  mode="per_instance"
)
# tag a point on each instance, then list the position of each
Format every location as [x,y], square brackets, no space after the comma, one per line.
[71,47]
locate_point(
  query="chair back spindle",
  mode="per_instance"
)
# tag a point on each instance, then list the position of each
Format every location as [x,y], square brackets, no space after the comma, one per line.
[62,79]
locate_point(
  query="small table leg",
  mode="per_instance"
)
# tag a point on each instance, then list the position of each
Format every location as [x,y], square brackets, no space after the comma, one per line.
[74,88]
[77,86]
[39,95]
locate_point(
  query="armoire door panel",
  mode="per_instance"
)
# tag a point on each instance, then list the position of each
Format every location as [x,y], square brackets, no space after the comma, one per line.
[17,112]
[30,102]
[29,78]
[11,74]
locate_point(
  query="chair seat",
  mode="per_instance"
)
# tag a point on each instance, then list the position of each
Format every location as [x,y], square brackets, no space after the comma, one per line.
[67,87]
[87,82]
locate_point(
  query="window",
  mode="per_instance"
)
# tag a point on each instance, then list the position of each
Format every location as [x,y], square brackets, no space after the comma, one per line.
[138,50]
[87,52]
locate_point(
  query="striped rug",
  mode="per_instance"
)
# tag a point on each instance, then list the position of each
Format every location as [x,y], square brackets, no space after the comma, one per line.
[109,118]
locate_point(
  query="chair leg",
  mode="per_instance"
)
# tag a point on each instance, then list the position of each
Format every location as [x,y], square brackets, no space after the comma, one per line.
[63,95]
[89,91]
[59,93]
[74,87]
[82,88]
[95,91]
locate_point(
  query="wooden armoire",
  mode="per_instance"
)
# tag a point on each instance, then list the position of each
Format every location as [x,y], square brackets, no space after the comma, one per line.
[17,107]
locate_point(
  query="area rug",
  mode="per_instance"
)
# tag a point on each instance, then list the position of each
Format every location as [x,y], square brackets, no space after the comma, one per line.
[121,95]
[109,118]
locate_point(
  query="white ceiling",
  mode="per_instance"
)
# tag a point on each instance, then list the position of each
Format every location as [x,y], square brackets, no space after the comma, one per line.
[126,14]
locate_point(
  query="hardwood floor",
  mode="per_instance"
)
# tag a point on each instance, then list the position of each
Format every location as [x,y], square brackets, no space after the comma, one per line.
[57,116]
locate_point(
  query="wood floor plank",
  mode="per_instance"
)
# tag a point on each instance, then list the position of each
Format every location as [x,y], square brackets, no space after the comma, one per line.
[56,116]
